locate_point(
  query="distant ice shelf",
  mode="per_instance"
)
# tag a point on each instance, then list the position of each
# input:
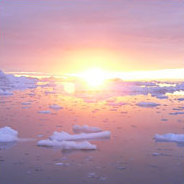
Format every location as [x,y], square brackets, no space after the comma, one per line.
[9,83]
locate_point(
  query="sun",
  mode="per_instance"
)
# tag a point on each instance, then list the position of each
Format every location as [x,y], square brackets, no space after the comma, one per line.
[94,77]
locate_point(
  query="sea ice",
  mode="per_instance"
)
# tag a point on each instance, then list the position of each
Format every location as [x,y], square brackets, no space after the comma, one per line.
[44,112]
[147,104]
[64,136]
[161,96]
[176,113]
[9,82]
[170,137]
[155,154]
[55,107]
[7,134]
[180,99]
[84,145]
[26,103]
[85,129]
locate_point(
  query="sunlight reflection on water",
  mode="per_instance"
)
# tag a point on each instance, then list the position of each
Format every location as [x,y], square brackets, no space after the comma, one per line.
[130,156]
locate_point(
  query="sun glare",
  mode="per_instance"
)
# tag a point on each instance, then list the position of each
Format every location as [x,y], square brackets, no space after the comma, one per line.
[94,77]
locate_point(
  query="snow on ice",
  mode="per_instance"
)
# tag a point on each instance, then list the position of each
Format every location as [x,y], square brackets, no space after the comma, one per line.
[64,136]
[84,145]
[65,140]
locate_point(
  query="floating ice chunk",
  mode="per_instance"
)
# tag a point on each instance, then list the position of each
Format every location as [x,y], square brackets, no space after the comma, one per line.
[178,108]
[85,129]
[84,145]
[155,154]
[147,104]
[55,107]
[92,175]
[7,134]
[180,99]
[161,96]
[64,136]
[59,163]
[170,137]
[44,112]
[176,113]
[26,103]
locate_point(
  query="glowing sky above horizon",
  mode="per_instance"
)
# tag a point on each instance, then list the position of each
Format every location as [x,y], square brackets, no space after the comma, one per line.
[67,36]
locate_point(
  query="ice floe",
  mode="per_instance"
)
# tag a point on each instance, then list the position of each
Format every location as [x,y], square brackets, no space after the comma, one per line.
[170,137]
[176,113]
[65,140]
[84,145]
[8,134]
[64,136]
[44,112]
[147,104]
[161,96]
[26,103]
[180,99]
[9,83]
[85,129]
[55,107]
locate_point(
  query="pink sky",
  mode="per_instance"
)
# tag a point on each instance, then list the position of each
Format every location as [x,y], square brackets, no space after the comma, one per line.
[70,35]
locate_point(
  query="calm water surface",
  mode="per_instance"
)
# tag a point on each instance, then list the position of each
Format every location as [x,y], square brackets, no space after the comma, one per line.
[126,158]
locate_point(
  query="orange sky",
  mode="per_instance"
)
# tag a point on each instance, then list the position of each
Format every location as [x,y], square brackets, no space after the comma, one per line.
[71,36]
